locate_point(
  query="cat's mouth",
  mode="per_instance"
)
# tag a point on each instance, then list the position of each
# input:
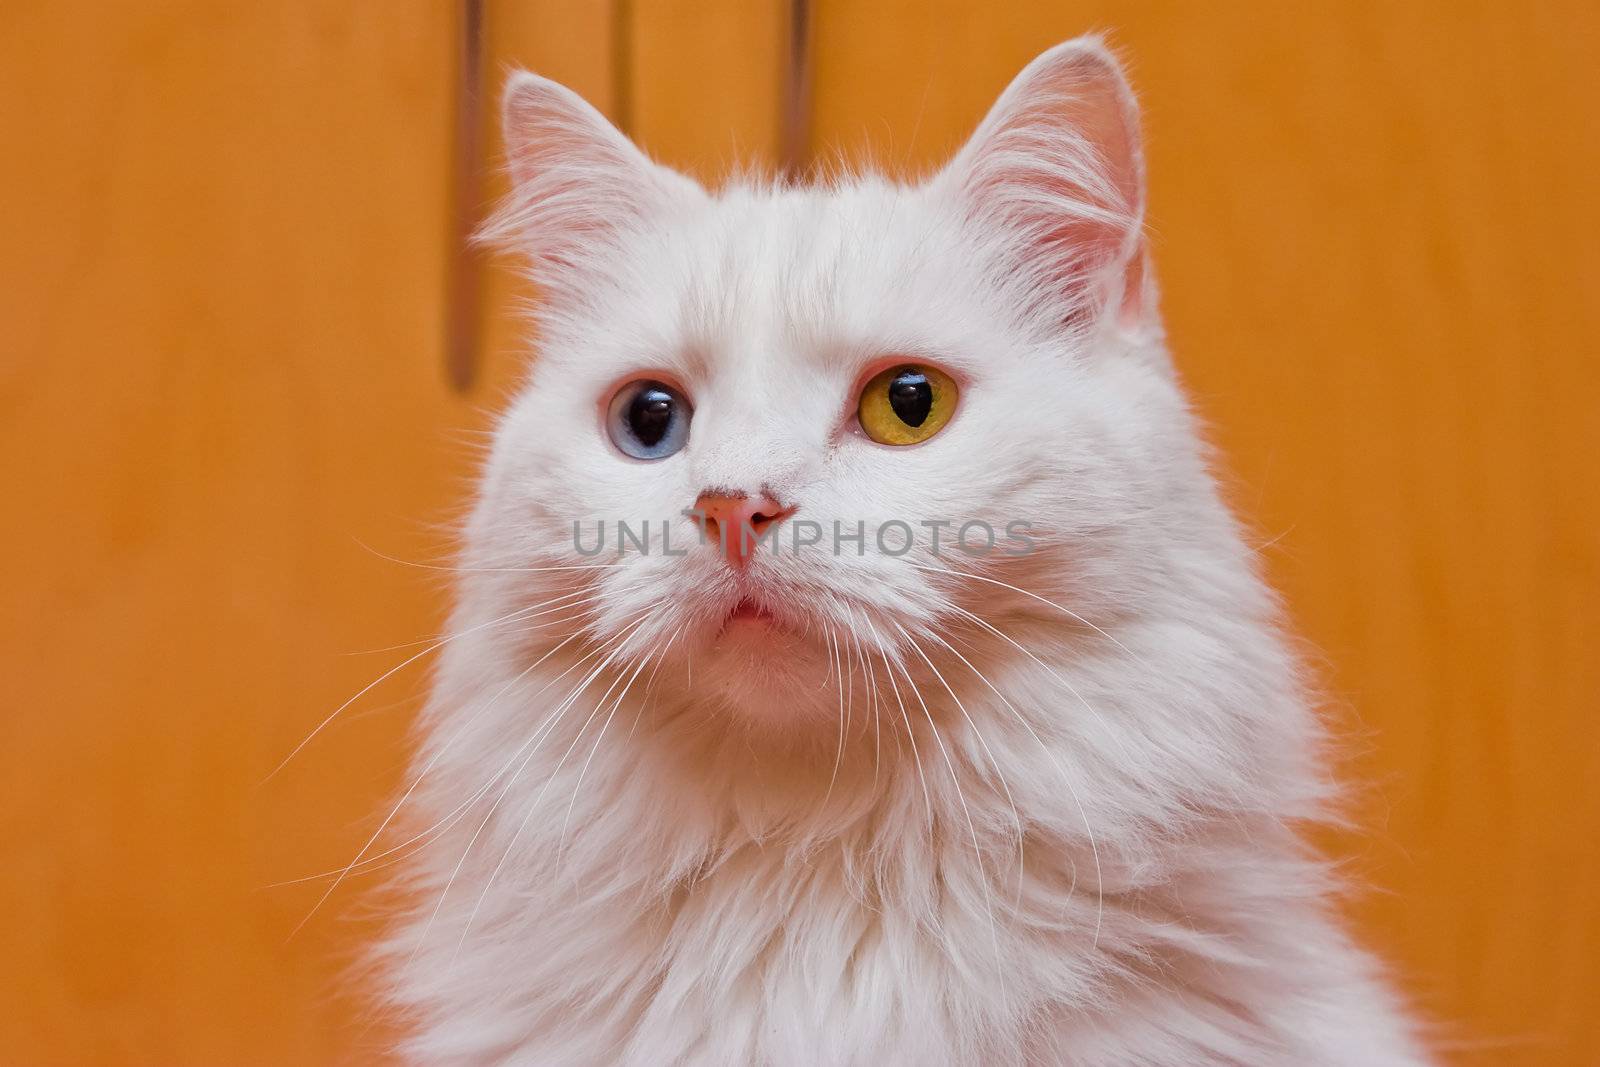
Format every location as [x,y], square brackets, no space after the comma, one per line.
[758,626]
[748,609]
[752,618]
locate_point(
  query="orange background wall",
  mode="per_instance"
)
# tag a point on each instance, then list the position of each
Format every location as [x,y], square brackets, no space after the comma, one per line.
[227,290]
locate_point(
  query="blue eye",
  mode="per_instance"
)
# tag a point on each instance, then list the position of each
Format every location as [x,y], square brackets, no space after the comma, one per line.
[648,419]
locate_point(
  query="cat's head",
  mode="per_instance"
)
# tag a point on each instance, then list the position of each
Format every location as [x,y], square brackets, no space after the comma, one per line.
[972,360]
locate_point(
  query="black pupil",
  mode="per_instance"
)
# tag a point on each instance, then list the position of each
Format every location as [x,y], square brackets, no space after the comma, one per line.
[650,414]
[911,396]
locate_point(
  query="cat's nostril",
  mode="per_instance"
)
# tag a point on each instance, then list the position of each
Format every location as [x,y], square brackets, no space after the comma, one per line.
[724,517]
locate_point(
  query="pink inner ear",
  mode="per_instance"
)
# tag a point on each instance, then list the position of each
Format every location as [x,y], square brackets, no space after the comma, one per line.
[577,182]
[1058,161]
[1072,232]
[1135,301]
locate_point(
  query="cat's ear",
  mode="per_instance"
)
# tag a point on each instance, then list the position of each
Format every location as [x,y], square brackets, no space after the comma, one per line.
[577,182]
[1057,170]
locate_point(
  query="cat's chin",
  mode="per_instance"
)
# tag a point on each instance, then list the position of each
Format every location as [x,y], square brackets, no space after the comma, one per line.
[763,670]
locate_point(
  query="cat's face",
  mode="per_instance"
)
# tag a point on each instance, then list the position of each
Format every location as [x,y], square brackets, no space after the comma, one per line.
[928,400]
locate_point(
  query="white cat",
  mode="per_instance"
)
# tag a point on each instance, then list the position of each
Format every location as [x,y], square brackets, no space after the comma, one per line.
[833,803]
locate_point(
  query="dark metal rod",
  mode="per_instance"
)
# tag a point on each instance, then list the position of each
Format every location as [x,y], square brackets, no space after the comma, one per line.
[463,290]
[622,65]
[795,148]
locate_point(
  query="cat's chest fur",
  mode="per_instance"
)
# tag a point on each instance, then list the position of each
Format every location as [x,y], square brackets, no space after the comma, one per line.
[604,917]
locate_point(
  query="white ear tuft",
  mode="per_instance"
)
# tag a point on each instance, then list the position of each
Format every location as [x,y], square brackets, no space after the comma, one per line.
[1058,165]
[577,181]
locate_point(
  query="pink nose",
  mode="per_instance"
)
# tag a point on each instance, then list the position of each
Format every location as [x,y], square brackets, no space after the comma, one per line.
[735,522]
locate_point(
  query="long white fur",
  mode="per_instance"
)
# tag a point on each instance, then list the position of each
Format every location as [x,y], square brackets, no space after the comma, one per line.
[973,810]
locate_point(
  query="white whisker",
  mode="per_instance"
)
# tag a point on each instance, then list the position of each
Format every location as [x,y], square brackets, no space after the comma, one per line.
[872,693]
[1016,818]
[611,647]
[838,757]
[391,672]
[972,827]
[566,822]
[456,568]
[617,645]
[1032,596]
[1066,780]
[1094,712]
[359,862]
[916,757]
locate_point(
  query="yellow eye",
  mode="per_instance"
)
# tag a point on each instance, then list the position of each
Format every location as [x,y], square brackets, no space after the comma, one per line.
[906,404]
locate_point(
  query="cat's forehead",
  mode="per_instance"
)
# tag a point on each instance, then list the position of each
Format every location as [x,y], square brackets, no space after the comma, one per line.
[817,250]
[809,275]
